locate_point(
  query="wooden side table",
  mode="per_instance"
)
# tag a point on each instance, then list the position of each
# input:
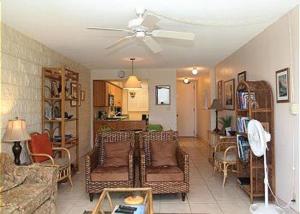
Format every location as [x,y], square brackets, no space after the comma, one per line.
[145,192]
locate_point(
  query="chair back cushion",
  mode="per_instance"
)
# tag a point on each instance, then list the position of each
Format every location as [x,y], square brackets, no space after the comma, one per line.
[40,144]
[116,154]
[163,154]
[104,138]
[146,139]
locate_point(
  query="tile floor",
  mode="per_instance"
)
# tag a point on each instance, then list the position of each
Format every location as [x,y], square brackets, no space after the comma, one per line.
[206,192]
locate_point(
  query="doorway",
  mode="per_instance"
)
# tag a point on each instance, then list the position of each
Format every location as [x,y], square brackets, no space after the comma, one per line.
[186,108]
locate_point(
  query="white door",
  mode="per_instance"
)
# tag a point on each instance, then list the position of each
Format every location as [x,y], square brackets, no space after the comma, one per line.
[186,109]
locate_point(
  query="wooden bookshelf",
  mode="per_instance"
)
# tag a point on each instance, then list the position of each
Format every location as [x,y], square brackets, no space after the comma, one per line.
[56,93]
[261,109]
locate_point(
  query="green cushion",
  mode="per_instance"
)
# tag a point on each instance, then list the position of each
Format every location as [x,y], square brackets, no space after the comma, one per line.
[155,127]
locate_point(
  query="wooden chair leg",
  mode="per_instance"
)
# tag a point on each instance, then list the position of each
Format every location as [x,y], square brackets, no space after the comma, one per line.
[225,173]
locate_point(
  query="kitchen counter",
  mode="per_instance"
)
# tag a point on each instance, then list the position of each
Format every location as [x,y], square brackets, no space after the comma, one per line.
[120,125]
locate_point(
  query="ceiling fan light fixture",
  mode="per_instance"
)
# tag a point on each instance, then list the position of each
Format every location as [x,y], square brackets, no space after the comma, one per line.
[140,34]
[194,71]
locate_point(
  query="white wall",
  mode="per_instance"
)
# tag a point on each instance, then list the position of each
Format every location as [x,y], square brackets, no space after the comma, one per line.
[275,48]
[165,115]
[21,71]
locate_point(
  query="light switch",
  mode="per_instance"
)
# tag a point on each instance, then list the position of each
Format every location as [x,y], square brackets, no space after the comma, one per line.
[294,108]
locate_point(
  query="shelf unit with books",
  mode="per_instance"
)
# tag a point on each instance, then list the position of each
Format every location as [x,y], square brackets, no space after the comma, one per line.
[258,106]
[63,129]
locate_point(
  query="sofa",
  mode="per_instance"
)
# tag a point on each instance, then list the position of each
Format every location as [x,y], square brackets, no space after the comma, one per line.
[27,189]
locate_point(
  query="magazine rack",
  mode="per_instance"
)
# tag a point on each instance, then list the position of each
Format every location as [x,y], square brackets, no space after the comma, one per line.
[254,100]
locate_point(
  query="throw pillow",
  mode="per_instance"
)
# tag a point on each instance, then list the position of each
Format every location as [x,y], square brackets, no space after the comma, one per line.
[163,154]
[116,154]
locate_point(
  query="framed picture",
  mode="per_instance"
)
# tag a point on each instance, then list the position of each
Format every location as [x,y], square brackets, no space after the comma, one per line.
[242,76]
[229,91]
[82,95]
[283,86]
[220,91]
[163,93]
[74,95]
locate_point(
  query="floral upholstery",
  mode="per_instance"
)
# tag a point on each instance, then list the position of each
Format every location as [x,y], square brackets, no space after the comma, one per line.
[35,194]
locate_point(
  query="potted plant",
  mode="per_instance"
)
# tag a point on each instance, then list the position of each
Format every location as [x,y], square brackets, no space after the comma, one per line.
[226,123]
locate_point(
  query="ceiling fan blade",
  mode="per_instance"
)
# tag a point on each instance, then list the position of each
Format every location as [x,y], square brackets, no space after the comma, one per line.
[120,41]
[150,21]
[152,44]
[109,29]
[173,34]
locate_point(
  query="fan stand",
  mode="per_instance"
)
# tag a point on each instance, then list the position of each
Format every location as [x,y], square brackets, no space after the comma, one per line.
[266,208]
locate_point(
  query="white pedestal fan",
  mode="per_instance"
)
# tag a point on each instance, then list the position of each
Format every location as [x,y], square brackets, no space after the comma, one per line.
[258,139]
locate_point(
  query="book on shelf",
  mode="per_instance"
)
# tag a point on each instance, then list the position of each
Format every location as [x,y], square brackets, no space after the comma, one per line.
[243,148]
[242,124]
[243,99]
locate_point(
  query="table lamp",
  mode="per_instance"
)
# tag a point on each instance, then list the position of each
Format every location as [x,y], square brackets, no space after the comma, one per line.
[216,105]
[16,132]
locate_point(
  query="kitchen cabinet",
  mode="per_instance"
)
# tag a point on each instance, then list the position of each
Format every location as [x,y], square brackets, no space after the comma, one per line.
[118,93]
[100,93]
[102,89]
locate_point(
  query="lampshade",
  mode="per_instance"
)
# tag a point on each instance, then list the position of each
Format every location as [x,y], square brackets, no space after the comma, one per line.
[216,105]
[132,82]
[16,131]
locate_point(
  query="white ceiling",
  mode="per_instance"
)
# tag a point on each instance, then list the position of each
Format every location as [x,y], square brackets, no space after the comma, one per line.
[61,25]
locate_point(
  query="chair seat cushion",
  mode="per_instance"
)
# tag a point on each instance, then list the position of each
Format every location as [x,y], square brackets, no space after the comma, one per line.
[116,154]
[163,154]
[62,162]
[110,174]
[230,157]
[25,198]
[169,173]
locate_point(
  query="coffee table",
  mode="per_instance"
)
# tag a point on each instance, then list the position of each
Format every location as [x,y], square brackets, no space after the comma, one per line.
[105,195]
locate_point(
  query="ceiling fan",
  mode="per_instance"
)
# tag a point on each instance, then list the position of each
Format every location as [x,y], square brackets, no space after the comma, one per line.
[144,28]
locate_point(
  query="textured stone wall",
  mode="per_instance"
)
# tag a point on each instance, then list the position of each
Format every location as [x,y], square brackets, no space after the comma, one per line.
[21,71]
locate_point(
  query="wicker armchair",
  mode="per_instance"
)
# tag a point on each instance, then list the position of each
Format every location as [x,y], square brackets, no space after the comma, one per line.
[166,179]
[98,175]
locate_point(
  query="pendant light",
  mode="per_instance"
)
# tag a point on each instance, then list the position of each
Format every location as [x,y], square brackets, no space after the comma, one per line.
[132,81]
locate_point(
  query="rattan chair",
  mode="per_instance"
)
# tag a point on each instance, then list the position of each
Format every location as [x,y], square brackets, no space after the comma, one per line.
[225,156]
[167,184]
[95,169]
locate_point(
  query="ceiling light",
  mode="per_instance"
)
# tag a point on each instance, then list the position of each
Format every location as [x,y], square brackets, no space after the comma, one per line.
[132,81]
[194,71]
[186,81]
